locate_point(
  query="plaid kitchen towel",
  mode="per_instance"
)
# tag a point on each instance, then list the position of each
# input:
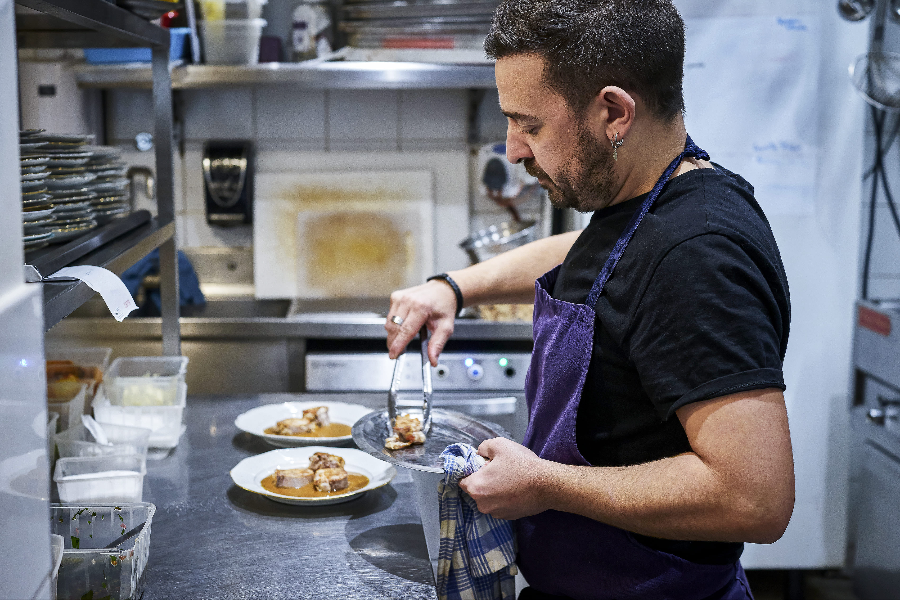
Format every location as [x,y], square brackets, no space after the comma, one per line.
[477,555]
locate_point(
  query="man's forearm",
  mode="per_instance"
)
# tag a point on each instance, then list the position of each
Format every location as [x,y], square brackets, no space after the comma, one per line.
[673,498]
[509,277]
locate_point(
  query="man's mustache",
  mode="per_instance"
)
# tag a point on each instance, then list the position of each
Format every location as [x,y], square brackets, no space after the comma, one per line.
[532,168]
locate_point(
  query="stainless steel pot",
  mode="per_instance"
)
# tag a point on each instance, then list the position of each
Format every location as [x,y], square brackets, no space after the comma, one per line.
[497,239]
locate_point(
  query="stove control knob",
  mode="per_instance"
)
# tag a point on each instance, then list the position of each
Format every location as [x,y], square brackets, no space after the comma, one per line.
[441,371]
[475,372]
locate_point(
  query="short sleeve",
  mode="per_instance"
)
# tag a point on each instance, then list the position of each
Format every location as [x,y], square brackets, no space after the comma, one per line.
[709,324]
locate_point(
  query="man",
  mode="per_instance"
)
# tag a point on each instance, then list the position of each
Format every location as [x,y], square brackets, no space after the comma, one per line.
[658,440]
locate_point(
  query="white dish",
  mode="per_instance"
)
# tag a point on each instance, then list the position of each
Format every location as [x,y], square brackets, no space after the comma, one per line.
[250,472]
[33,216]
[258,419]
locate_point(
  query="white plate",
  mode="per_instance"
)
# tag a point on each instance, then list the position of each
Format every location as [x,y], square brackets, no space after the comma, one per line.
[258,419]
[250,472]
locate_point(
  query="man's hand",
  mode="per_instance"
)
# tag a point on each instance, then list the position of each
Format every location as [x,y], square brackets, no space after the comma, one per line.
[511,485]
[432,304]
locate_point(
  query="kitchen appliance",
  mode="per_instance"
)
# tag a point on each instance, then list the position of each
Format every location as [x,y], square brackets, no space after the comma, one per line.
[875,476]
[228,182]
[487,385]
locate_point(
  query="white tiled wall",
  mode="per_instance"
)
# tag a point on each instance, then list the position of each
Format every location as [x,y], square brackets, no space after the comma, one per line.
[312,130]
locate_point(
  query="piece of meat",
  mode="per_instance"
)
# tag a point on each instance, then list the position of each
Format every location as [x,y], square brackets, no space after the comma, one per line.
[293,478]
[295,425]
[323,460]
[319,414]
[407,431]
[414,437]
[395,443]
[331,480]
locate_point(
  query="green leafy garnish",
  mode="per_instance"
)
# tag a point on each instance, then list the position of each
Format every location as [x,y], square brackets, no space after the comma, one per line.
[76,541]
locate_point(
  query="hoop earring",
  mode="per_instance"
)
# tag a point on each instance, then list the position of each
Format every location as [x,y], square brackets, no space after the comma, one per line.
[616,144]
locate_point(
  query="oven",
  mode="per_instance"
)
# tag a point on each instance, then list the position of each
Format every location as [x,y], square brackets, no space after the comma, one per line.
[487,384]
[875,474]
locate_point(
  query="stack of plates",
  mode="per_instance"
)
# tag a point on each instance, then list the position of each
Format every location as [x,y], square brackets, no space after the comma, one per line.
[110,185]
[68,186]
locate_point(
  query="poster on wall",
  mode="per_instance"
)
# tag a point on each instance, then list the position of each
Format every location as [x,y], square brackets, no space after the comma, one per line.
[750,91]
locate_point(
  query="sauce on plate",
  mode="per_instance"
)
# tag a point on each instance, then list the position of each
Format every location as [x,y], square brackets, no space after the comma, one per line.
[357,482]
[326,431]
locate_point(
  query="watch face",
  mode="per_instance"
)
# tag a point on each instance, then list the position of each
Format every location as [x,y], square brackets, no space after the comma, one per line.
[144,142]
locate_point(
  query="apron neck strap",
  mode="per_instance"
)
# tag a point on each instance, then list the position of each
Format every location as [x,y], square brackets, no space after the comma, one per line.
[690,149]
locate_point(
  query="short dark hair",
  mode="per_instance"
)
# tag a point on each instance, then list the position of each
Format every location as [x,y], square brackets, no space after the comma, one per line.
[637,45]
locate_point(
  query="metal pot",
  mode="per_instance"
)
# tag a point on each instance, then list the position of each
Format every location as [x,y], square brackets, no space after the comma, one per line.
[497,239]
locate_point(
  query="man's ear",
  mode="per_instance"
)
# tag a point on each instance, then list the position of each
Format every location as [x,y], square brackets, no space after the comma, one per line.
[611,112]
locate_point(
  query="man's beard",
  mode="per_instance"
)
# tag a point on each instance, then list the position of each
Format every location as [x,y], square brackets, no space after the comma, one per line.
[586,181]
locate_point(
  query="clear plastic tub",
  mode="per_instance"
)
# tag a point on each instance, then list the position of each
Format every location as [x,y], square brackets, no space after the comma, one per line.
[77,441]
[87,568]
[145,380]
[68,407]
[56,554]
[88,366]
[164,422]
[113,478]
[232,41]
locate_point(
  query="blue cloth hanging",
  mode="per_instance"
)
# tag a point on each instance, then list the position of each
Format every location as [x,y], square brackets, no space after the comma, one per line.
[189,292]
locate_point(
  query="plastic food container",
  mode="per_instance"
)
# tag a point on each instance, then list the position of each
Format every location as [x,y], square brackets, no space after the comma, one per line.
[87,365]
[68,404]
[113,478]
[232,41]
[145,380]
[56,553]
[77,441]
[86,569]
[164,422]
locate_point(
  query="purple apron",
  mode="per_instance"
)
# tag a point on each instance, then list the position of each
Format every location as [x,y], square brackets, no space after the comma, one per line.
[570,555]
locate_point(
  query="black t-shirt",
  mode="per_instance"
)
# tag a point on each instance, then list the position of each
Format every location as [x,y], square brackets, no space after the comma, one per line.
[697,308]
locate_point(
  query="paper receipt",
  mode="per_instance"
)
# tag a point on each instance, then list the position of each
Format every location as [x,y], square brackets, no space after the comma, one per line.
[106,283]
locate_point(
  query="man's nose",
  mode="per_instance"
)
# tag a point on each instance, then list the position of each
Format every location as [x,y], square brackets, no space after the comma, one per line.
[516,149]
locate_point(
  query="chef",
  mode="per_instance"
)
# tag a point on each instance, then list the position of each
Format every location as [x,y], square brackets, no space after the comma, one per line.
[658,439]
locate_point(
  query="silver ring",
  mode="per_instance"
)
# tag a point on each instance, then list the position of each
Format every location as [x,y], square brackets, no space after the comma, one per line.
[397,320]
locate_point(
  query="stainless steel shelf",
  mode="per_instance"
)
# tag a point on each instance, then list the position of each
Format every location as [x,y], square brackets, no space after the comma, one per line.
[100,23]
[84,24]
[60,299]
[323,75]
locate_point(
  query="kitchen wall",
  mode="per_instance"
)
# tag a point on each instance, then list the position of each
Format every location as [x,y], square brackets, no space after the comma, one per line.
[297,130]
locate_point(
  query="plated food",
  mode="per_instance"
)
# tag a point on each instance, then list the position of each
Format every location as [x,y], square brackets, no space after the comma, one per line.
[312,475]
[292,424]
[407,431]
[315,422]
[325,476]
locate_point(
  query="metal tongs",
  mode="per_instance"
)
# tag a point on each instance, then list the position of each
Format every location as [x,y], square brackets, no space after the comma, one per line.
[426,386]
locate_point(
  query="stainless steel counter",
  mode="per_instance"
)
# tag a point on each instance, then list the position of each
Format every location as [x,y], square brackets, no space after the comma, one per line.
[213,540]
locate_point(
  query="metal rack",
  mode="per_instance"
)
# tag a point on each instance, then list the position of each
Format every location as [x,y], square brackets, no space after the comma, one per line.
[97,23]
[318,75]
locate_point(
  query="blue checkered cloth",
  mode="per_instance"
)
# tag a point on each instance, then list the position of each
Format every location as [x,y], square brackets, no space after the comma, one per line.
[477,556]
